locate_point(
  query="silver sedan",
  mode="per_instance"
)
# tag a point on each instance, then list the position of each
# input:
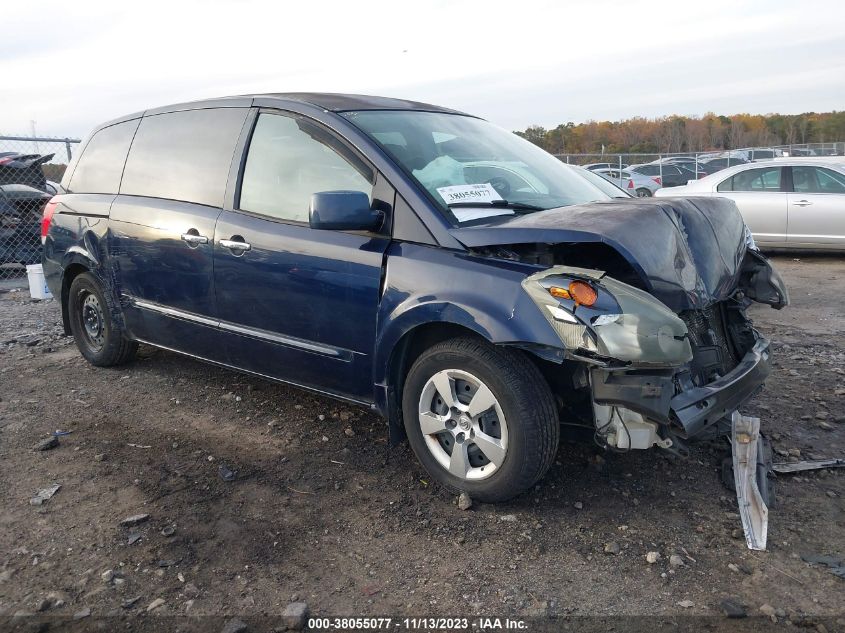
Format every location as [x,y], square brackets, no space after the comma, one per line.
[636,184]
[786,203]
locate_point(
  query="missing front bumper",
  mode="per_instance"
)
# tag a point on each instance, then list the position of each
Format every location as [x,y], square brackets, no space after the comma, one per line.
[691,411]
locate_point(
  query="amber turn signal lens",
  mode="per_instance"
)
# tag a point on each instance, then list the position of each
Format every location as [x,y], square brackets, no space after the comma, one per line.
[582,293]
[560,293]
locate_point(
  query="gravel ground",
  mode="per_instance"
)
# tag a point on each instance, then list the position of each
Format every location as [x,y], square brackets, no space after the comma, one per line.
[323,511]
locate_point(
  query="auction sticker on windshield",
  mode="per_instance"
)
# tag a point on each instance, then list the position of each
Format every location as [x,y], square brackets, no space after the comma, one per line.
[481,193]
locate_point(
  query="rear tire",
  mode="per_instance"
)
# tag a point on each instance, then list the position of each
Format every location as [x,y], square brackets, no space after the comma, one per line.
[642,192]
[499,413]
[101,338]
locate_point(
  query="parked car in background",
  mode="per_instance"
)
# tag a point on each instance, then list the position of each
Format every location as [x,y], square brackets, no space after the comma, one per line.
[667,175]
[638,185]
[421,262]
[23,169]
[712,165]
[786,203]
[611,189]
[20,224]
[763,153]
[594,166]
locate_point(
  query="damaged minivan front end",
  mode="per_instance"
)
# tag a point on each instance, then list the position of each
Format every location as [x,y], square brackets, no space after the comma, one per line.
[658,320]
[656,329]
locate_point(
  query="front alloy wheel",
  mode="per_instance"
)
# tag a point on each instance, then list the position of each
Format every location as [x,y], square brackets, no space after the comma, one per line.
[463,424]
[480,418]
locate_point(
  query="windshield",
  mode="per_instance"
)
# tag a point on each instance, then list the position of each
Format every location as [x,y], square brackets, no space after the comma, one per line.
[472,169]
[603,183]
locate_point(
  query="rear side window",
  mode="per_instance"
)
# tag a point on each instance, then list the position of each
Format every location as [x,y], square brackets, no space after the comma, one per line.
[184,155]
[101,164]
[291,158]
[766,179]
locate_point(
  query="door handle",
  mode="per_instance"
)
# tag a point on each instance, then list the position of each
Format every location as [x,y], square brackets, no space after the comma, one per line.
[193,239]
[802,203]
[238,247]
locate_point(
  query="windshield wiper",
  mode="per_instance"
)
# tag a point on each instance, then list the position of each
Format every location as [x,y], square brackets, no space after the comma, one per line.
[503,204]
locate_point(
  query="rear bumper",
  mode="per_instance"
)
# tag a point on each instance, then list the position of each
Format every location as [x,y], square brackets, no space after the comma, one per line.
[698,408]
[693,410]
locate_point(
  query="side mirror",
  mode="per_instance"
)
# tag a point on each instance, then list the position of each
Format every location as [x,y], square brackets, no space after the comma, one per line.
[342,211]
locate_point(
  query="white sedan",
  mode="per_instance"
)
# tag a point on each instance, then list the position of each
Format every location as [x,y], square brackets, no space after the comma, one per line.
[786,203]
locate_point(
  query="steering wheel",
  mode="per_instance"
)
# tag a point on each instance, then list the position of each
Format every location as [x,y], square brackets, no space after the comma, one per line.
[501,185]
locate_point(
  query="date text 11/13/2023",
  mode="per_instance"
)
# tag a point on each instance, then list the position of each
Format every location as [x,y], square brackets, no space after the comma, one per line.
[417,624]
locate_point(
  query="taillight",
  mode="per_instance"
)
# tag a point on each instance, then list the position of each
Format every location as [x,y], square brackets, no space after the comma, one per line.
[657,180]
[7,160]
[630,184]
[47,218]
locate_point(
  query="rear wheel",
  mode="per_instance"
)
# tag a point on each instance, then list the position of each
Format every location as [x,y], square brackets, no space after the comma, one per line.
[99,337]
[642,192]
[481,419]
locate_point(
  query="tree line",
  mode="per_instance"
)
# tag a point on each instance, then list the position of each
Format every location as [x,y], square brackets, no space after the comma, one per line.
[688,133]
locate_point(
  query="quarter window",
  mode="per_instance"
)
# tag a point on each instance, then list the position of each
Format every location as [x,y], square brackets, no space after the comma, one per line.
[764,179]
[101,164]
[290,159]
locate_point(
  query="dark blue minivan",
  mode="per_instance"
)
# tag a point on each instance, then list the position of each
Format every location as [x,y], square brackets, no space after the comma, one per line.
[465,284]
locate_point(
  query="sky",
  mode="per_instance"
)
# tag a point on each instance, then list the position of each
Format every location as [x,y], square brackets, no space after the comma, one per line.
[70,65]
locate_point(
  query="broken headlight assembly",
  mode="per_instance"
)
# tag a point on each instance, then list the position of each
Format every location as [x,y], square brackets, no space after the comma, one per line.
[593,313]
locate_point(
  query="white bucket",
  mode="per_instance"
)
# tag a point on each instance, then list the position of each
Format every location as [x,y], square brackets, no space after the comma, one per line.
[37,286]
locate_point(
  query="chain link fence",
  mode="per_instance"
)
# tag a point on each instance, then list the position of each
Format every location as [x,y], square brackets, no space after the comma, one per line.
[30,170]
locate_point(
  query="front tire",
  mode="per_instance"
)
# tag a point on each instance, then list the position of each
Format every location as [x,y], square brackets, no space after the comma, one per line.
[480,418]
[100,338]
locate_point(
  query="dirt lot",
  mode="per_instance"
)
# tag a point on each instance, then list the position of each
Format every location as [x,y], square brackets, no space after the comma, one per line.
[323,511]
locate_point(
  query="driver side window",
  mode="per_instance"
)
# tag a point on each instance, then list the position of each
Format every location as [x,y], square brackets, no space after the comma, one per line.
[291,158]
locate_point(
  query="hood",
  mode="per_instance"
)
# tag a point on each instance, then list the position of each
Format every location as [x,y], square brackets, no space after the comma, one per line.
[686,251]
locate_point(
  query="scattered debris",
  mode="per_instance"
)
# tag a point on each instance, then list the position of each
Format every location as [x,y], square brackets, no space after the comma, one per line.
[294,615]
[508,518]
[139,446]
[745,436]
[133,538]
[226,473]
[612,548]
[686,604]
[135,519]
[652,557]
[107,576]
[808,464]
[578,505]
[235,626]
[676,561]
[82,614]
[155,604]
[733,608]
[464,501]
[131,602]
[768,610]
[835,563]
[46,444]
[44,494]
[168,531]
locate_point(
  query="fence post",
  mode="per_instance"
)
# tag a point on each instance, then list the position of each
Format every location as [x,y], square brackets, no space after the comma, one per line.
[660,166]
[67,149]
